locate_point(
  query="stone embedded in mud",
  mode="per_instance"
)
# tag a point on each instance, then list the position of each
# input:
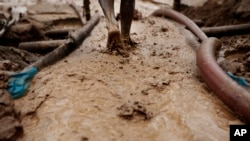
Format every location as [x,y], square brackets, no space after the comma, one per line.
[130,111]
[84,139]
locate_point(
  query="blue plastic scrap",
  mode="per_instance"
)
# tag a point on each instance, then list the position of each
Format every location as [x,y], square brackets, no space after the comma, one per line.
[240,80]
[19,83]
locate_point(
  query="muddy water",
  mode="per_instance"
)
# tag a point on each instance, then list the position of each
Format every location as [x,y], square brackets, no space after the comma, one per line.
[83,96]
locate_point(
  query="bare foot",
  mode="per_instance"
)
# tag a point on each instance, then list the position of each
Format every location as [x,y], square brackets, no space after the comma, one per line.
[115,43]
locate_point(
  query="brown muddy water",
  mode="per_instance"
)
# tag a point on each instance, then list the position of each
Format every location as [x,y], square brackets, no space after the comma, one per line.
[155,94]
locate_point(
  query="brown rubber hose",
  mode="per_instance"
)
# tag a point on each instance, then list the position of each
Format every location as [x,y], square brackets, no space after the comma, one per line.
[181,19]
[231,93]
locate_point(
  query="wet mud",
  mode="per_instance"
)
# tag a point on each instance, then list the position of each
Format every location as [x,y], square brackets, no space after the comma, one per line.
[10,126]
[155,93]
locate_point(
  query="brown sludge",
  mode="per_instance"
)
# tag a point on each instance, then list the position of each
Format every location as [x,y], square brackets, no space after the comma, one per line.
[154,94]
[88,94]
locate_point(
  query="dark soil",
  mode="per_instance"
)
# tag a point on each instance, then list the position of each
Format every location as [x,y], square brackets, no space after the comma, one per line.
[214,13]
[235,49]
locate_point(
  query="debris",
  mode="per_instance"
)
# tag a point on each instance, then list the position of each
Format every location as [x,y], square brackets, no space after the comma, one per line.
[7,65]
[10,127]
[131,110]
[14,59]
[14,15]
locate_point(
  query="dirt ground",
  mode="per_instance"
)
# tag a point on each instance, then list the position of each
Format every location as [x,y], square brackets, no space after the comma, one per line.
[154,94]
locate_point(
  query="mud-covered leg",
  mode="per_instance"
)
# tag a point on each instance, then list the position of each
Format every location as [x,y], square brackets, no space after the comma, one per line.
[126,11]
[86,10]
[114,38]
